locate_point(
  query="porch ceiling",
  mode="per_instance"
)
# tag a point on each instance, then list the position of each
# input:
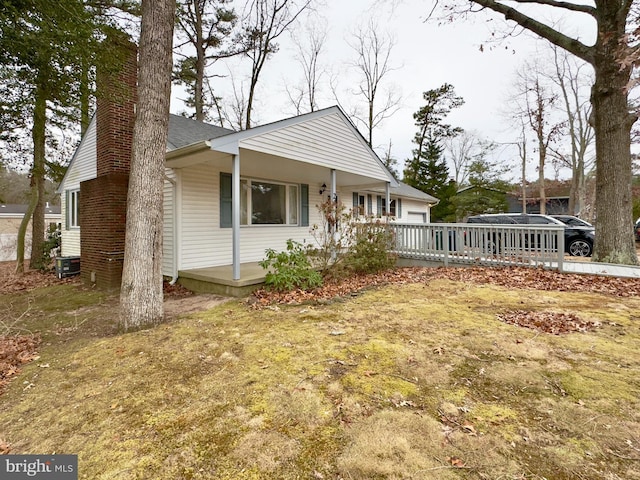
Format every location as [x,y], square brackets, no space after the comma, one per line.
[270,167]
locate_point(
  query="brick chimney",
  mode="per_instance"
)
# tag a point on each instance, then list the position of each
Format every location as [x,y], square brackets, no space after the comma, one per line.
[103,200]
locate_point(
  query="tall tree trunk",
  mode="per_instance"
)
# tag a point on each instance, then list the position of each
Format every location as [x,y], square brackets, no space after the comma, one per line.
[252,88]
[37,260]
[524,177]
[22,229]
[35,211]
[612,123]
[198,93]
[141,294]
[85,98]
[542,194]
[582,189]
[38,173]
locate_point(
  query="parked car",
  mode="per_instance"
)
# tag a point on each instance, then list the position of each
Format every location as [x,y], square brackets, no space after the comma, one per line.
[572,221]
[578,241]
[636,230]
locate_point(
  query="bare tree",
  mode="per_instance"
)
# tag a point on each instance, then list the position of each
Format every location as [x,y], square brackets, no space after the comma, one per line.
[613,55]
[536,104]
[522,153]
[203,25]
[304,97]
[462,149]
[235,111]
[390,161]
[264,23]
[141,293]
[568,74]
[373,54]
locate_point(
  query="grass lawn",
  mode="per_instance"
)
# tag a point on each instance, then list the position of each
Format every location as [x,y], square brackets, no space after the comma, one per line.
[405,381]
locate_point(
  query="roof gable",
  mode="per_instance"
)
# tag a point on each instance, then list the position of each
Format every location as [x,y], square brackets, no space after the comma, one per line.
[325,138]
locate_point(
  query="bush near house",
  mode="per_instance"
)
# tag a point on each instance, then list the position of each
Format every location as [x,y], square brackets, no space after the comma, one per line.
[347,244]
[290,269]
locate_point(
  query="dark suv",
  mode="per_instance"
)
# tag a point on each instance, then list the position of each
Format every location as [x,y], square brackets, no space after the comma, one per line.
[578,241]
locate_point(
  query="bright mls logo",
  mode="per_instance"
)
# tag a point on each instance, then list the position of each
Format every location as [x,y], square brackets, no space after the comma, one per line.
[43,467]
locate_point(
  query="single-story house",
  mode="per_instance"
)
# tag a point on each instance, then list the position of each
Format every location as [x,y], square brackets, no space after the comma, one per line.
[10,218]
[557,198]
[230,195]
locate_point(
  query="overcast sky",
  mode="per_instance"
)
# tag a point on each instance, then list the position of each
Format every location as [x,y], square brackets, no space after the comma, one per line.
[425,56]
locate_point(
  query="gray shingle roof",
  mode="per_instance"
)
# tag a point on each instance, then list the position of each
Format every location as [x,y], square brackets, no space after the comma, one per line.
[405,190]
[185,131]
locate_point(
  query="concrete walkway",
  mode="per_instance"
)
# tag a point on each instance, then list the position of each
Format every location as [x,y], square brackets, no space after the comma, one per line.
[609,269]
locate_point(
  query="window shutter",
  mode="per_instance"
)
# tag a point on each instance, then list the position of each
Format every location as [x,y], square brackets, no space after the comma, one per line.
[398,208]
[226,202]
[304,205]
[379,201]
[369,205]
[356,204]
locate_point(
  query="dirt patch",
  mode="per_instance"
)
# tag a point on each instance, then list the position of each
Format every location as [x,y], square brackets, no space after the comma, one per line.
[174,307]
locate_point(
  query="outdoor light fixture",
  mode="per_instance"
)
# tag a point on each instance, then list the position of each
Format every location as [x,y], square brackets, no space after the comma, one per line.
[323,188]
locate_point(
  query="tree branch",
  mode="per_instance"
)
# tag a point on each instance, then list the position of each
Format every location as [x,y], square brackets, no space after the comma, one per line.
[572,45]
[569,6]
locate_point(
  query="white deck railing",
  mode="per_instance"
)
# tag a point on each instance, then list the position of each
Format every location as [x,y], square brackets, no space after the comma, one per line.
[458,243]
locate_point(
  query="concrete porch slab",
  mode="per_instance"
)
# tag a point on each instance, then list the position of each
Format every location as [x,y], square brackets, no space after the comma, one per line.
[220,280]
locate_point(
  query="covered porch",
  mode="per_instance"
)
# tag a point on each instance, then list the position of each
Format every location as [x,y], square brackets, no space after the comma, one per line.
[233,196]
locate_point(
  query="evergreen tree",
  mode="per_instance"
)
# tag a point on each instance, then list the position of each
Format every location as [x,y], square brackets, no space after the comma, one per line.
[45,48]
[427,170]
[487,190]
[204,25]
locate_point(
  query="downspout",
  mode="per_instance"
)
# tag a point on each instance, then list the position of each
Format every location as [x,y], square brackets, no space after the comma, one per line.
[174,230]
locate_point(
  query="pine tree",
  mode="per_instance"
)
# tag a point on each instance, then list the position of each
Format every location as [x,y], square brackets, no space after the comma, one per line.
[427,169]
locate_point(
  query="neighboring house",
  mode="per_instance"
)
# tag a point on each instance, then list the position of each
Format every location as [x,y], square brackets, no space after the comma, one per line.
[228,195]
[556,193]
[10,218]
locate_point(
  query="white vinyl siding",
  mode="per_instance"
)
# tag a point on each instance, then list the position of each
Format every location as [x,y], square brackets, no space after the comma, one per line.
[326,141]
[168,224]
[203,243]
[408,205]
[82,167]
[411,209]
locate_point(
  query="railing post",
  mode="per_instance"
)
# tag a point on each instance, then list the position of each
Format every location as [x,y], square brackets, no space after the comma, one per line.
[560,234]
[445,244]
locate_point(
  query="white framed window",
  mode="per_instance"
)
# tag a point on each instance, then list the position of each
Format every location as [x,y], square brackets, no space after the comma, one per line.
[392,208]
[268,203]
[73,209]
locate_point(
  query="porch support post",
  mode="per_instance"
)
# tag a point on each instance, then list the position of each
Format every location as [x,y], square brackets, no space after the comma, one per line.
[235,215]
[387,199]
[334,188]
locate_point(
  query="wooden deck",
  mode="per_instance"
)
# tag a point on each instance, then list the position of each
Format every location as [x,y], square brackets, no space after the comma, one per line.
[220,280]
